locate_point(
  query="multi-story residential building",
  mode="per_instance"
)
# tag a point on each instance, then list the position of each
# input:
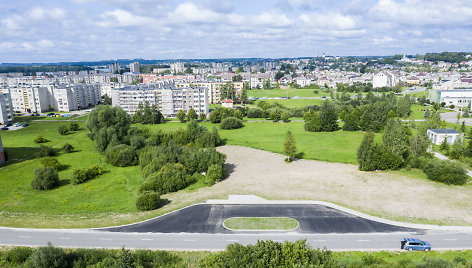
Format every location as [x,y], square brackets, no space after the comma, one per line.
[6,108]
[30,99]
[114,68]
[384,79]
[134,67]
[164,95]
[177,67]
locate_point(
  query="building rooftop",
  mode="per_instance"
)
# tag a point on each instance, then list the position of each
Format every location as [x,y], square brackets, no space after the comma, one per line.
[444,131]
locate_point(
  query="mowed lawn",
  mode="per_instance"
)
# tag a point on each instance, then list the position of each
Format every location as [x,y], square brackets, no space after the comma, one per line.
[340,146]
[292,92]
[295,103]
[115,191]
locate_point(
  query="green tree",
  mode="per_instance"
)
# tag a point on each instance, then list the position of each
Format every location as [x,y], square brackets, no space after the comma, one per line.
[312,122]
[227,91]
[106,100]
[419,144]
[192,115]
[67,148]
[427,114]
[45,178]
[243,95]
[63,130]
[285,117]
[290,148]
[202,117]
[328,117]
[181,116]
[365,153]
[237,78]
[444,145]
[148,200]
[396,137]
[73,126]
[238,114]
[352,121]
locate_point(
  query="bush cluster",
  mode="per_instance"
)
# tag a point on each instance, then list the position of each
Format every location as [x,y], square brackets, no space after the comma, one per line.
[46,151]
[121,155]
[67,148]
[84,174]
[50,162]
[445,171]
[148,200]
[40,139]
[63,130]
[215,173]
[45,178]
[231,123]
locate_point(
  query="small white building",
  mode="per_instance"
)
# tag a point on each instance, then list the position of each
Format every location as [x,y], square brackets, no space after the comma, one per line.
[384,79]
[437,136]
[227,103]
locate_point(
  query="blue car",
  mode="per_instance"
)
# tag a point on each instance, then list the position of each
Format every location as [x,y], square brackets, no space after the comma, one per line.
[414,244]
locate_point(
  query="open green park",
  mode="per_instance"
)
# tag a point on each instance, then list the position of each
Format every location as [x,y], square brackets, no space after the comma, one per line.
[289,92]
[110,198]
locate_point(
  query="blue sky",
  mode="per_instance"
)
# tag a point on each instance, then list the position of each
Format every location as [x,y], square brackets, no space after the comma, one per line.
[79,30]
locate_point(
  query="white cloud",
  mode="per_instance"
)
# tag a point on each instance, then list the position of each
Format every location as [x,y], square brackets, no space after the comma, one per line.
[189,12]
[123,18]
[272,20]
[330,21]
[383,40]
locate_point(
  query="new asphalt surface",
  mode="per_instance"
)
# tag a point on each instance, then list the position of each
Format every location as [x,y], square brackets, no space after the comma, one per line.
[209,218]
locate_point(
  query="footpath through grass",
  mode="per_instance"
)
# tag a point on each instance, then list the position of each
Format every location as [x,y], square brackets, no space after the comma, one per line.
[261,223]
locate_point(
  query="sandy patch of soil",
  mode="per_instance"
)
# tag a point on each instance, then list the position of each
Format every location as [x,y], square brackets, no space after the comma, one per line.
[382,194]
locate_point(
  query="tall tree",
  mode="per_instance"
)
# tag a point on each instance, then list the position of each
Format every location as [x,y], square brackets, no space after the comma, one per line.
[192,115]
[366,153]
[290,148]
[328,117]
[227,91]
[106,100]
[396,137]
[181,116]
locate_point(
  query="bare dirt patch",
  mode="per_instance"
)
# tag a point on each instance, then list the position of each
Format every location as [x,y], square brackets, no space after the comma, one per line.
[382,194]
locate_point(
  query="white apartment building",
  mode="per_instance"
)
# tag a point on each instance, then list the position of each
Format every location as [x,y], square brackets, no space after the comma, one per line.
[134,67]
[30,99]
[6,109]
[164,95]
[177,67]
[384,79]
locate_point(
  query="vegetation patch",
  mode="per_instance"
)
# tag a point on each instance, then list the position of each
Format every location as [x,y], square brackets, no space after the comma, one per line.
[260,223]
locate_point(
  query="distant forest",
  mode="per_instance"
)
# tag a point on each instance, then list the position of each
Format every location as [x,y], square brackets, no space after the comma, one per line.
[32,70]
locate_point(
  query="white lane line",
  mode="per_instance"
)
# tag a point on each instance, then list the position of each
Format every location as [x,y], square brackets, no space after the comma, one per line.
[318,240]
[189,240]
[362,240]
[64,238]
[25,236]
[450,239]
[147,239]
[107,239]
[232,240]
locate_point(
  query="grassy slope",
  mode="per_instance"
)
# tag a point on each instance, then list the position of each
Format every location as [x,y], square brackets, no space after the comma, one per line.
[295,103]
[273,93]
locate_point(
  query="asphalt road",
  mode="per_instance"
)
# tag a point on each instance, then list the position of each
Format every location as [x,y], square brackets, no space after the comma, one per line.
[208,218]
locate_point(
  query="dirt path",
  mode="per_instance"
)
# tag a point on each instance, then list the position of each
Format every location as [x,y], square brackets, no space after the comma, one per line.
[382,194]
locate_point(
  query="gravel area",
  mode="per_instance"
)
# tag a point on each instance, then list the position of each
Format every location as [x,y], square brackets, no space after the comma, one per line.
[396,197]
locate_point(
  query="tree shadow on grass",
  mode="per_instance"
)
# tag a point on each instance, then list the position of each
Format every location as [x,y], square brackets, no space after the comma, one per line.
[64,182]
[164,202]
[64,167]
[18,154]
[299,156]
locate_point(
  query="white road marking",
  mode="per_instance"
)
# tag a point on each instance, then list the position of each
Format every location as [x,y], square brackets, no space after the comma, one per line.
[64,238]
[189,240]
[25,236]
[362,240]
[147,239]
[450,239]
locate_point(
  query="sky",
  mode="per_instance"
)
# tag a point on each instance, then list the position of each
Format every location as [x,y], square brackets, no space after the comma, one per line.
[90,30]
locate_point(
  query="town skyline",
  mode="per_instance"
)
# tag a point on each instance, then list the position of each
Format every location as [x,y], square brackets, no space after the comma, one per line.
[91,30]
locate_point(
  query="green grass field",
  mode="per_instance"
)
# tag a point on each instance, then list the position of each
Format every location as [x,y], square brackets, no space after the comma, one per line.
[295,103]
[261,223]
[339,146]
[292,92]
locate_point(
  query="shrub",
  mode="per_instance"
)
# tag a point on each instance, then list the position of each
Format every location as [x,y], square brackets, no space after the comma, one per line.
[50,162]
[121,155]
[67,148]
[63,130]
[45,178]
[40,139]
[84,174]
[148,201]
[445,171]
[255,113]
[238,114]
[46,151]
[170,178]
[49,257]
[231,123]
[17,255]
[214,174]
[74,126]
[285,117]
[181,116]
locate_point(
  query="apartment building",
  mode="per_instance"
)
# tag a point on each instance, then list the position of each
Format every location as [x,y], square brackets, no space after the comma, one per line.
[167,98]
[384,79]
[6,108]
[30,99]
[134,67]
[213,88]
